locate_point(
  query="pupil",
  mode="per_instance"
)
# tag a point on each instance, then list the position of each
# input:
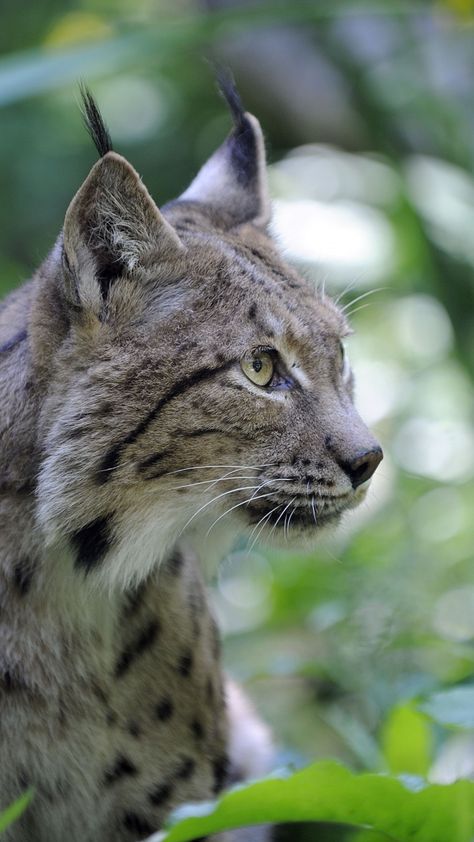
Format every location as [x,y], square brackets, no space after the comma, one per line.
[257,365]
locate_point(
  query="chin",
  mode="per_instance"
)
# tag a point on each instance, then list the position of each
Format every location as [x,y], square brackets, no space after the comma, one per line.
[300,527]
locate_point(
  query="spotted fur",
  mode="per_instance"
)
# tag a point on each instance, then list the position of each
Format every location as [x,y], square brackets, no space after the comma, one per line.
[131,445]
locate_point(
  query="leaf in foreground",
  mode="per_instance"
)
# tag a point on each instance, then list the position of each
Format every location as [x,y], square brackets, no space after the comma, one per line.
[329,792]
[14,811]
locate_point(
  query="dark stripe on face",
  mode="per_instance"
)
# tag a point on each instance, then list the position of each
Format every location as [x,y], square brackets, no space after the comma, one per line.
[153,459]
[112,457]
[202,431]
[15,340]
[91,543]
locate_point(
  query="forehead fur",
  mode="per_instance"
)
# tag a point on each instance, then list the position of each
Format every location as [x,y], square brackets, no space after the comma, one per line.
[239,273]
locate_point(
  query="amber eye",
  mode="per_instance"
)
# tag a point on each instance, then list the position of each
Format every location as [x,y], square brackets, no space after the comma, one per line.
[258,366]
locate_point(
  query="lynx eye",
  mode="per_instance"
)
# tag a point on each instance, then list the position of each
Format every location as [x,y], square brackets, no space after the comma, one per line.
[258,366]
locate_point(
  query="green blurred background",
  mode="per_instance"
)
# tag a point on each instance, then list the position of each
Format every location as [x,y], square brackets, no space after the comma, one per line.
[368,110]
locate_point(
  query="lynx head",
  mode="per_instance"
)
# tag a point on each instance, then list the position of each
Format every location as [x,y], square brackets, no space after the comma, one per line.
[191,375]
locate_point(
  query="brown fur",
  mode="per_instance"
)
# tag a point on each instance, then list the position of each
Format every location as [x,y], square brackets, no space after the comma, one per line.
[124,412]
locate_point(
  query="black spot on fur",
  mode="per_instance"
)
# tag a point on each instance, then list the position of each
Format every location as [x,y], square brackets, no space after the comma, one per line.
[160,794]
[91,543]
[94,122]
[122,768]
[14,341]
[111,718]
[252,311]
[220,768]
[144,641]
[185,664]
[186,769]
[198,729]
[164,709]
[138,825]
[22,576]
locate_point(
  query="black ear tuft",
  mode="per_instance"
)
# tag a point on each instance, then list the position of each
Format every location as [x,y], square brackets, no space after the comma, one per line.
[243,146]
[94,122]
[228,89]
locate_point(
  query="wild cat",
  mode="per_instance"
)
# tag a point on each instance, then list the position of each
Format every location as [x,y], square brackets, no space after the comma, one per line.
[160,369]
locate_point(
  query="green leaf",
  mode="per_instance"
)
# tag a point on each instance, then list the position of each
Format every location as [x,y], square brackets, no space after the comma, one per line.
[15,810]
[328,792]
[406,741]
[452,707]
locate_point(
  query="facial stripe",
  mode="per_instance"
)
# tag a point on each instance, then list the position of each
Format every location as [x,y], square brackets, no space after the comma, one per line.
[112,457]
[15,340]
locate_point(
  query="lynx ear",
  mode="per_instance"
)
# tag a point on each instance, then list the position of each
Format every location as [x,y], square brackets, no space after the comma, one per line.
[233,181]
[112,225]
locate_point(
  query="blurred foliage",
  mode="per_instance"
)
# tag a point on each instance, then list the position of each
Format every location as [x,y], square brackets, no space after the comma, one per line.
[351,652]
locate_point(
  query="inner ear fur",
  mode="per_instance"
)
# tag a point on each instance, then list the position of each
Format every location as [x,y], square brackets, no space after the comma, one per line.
[111,226]
[234,179]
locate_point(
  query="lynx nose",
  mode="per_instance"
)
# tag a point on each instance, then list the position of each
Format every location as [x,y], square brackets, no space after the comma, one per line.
[363,466]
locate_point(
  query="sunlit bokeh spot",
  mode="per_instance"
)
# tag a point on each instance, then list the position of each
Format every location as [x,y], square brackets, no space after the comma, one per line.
[343,237]
[444,195]
[379,389]
[439,514]
[320,172]
[422,326]
[437,449]
[134,107]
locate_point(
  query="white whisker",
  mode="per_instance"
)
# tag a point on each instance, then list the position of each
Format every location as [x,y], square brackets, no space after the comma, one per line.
[214,499]
[262,521]
[211,482]
[203,467]
[344,292]
[242,503]
[281,515]
[356,309]
[360,297]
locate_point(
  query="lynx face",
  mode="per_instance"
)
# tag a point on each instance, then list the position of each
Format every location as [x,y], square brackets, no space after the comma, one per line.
[192,377]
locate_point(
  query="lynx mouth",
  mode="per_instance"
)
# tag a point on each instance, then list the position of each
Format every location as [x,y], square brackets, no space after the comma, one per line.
[303,511]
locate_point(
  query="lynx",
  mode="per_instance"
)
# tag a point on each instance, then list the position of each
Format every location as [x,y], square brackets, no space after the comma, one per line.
[163,372]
